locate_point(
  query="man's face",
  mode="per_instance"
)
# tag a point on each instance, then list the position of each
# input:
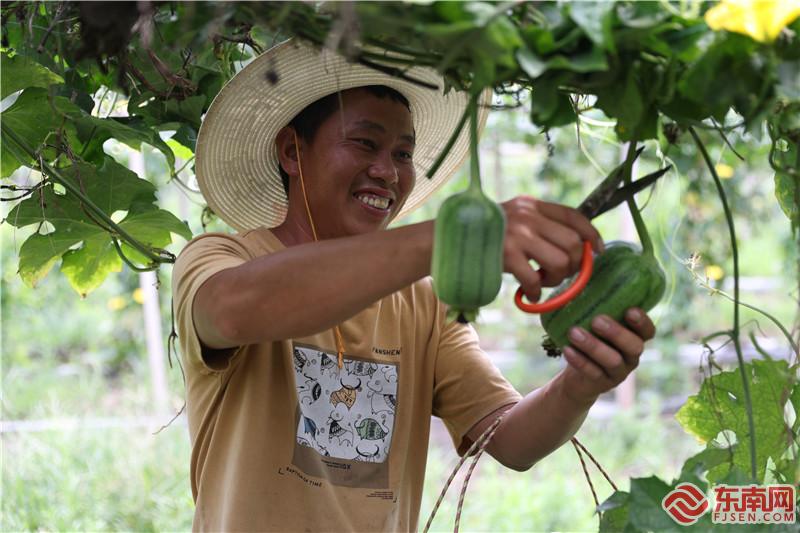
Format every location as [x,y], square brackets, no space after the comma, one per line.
[358,170]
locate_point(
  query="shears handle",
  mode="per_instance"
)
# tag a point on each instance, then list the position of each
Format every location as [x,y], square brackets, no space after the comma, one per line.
[565,297]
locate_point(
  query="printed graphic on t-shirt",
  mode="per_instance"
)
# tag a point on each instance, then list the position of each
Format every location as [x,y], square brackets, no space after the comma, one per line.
[345,413]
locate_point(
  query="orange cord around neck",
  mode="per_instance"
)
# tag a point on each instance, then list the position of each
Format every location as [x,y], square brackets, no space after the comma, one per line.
[339,341]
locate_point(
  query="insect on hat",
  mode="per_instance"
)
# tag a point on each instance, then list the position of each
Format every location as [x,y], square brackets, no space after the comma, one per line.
[237,160]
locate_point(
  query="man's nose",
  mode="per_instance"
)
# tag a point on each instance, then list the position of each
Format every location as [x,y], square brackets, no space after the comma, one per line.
[383,168]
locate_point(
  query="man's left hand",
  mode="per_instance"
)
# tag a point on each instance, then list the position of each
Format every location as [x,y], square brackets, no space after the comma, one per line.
[601,359]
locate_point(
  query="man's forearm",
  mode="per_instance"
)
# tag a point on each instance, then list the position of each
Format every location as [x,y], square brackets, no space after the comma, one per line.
[312,287]
[539,424]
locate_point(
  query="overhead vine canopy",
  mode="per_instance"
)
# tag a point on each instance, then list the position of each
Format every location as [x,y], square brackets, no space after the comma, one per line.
[656,68]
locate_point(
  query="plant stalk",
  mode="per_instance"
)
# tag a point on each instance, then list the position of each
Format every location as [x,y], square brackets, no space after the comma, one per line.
[735,333]
[641,227]
[450,142]
[474,161]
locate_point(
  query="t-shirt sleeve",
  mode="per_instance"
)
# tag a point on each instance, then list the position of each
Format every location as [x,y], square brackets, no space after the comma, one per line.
[467,385]
[203,257]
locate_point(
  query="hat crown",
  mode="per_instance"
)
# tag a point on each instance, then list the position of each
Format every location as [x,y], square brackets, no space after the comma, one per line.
[236,157]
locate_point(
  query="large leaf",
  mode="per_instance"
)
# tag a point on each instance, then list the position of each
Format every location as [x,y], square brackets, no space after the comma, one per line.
[786,191]
[87,249]
[696,466]
[645,510]
[21,72]
[720,406]
[33,117]
[97,130]
[627,107]
[594,17]
[615,513]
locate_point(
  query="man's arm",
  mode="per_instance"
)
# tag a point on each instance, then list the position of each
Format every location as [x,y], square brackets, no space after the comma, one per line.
[551,415]
[309,288]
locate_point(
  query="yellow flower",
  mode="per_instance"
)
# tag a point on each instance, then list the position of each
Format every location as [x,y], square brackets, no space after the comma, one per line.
[714,272]
[138,296]
[116,303]
[724,171]
[762,20]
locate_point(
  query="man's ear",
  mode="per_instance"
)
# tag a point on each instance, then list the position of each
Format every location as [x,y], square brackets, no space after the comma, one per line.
[287,153]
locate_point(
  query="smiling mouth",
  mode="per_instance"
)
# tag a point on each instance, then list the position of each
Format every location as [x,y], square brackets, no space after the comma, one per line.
[373,200]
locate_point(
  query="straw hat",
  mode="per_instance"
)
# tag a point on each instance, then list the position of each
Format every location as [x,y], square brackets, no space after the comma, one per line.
[236,158]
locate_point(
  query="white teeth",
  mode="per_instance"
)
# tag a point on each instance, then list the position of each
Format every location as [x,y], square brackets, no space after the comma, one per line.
[375,201]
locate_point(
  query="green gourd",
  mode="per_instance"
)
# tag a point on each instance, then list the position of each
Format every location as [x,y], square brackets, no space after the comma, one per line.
[623,277]
[467,262]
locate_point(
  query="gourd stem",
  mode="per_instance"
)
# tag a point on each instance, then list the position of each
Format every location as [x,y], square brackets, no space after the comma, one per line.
[748,403]
[450,142]
[474,162]
[641,227]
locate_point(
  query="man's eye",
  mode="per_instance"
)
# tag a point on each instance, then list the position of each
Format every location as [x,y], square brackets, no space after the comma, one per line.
[405,155]
[366,142]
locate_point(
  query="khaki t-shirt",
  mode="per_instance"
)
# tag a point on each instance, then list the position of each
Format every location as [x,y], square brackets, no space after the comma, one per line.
[282,439]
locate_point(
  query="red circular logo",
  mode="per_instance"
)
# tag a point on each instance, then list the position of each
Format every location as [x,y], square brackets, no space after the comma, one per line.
[685,504]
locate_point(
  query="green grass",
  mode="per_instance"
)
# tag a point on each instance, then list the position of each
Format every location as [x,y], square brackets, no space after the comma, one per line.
[97,480]
[132,480]
[554,494]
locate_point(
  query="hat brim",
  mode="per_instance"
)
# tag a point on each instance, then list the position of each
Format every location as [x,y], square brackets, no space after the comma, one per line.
[236,157]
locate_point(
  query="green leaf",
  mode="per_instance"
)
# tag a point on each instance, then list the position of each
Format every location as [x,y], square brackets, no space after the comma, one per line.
[614,513]
[87,267]
[21,72]
[643,15]
[531,64]
[786,192]
[788,87]
[594,60]
[189,109]
[696,466]
[727,76]
[132,133]
[645,509]
[594,18]
[87,249]
[186,136]
[179,150]
[550,107]
[152,226]
[627,107]
[719,406]
[33,117]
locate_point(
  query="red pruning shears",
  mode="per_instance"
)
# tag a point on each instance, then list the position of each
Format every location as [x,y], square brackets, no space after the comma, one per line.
[605,197]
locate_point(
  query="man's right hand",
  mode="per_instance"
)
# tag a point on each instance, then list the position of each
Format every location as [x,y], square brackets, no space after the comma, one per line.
[548,233]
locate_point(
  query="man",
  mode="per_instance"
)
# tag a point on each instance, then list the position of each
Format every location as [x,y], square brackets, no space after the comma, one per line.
[315,349]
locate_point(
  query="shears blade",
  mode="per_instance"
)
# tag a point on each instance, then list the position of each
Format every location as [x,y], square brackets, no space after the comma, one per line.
[609,194]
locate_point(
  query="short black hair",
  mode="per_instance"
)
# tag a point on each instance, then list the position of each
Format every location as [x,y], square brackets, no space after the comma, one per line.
[308,121]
